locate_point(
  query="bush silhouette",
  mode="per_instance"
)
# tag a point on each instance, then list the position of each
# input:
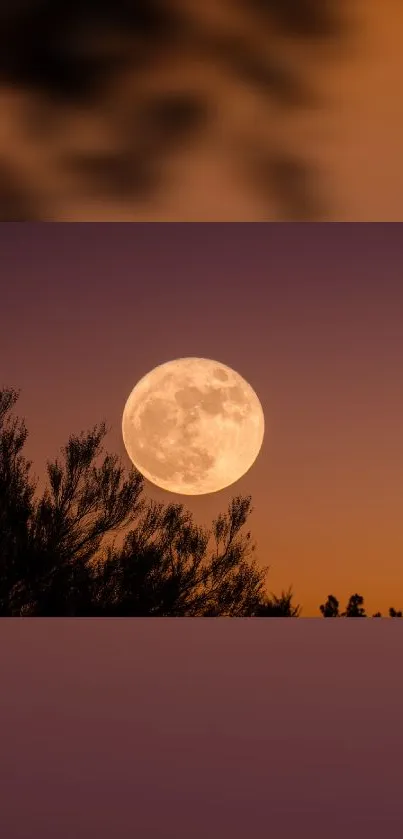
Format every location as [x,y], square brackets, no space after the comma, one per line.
[278,607]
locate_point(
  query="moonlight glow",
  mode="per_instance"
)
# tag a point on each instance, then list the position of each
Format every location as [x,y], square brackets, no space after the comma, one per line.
[193,426]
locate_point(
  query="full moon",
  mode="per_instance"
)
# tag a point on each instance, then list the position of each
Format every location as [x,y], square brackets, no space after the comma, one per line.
[193,426]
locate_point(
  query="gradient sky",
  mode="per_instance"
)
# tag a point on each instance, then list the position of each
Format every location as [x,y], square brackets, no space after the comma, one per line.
[310,314]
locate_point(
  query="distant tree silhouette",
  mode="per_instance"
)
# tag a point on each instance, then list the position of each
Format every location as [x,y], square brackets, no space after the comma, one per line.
[59,553]
[330,609]
[355,607]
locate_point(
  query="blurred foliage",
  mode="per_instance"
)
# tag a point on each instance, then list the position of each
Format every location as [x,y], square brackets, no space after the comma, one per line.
[71,53]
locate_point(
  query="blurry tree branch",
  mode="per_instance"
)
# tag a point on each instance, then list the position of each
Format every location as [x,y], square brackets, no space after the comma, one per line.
[73,52]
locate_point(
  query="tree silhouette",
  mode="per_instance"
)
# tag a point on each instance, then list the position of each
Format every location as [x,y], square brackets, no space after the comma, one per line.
[16,498]
[73,53]
[330,609]
[46,544]
[355,607]
[165,567]
[59,553]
